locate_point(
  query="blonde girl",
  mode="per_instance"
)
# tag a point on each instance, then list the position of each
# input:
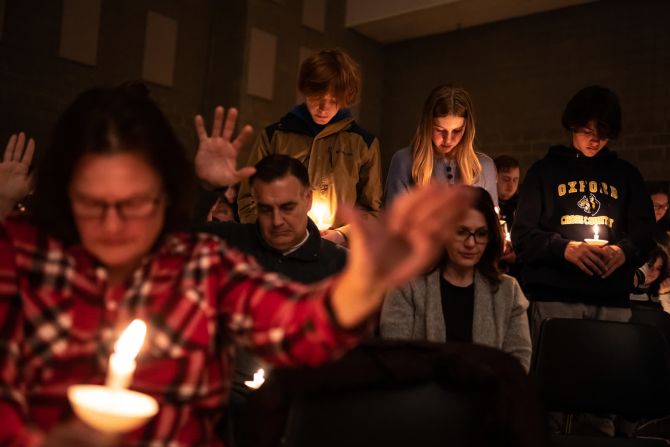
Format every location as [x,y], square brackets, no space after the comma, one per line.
[442,148]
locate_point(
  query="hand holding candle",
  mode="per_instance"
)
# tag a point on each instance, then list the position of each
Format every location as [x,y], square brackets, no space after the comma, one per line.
[503,224]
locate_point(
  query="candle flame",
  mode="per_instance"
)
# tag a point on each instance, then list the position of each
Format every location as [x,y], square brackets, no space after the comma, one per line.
[130,342]
[321,214]
[595,232]
[259,376]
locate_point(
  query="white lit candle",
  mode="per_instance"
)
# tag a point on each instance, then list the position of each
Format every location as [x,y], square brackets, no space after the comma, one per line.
[122,361]
[112,408]
[596,241]
[109,410]
[259,379]
[321,215]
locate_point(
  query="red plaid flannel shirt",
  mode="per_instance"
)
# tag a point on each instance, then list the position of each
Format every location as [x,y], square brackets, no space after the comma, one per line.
[59,321]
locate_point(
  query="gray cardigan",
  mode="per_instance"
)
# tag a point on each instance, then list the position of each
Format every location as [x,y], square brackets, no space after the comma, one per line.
[414,312]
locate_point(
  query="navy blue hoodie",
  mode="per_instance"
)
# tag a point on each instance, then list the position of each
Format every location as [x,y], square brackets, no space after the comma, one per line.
[562,197]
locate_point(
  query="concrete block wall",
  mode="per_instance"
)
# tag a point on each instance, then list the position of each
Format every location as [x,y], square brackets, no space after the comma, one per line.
[522,72]
[283,18]
[36,84]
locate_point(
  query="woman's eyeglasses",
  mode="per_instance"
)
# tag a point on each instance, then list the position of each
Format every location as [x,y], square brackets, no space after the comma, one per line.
[480,235]
[135,208]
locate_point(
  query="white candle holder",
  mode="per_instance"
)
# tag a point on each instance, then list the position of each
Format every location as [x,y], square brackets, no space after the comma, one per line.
[596,241]
[110,410]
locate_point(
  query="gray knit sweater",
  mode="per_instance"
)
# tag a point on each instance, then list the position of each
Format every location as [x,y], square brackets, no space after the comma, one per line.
[414,312]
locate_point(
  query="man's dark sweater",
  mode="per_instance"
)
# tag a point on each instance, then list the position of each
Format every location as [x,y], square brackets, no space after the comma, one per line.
[315,260]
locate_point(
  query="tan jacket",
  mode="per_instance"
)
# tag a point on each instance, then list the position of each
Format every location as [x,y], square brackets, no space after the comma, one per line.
[343,162]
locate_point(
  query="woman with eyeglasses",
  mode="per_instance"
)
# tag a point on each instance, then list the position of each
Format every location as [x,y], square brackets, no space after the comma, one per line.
[442,149]
[108,242]
[464,298]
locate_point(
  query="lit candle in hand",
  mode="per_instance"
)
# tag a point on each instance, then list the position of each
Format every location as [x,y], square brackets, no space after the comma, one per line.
[501,221]
[596,241]
[112,408]
[122,361]
[321,215]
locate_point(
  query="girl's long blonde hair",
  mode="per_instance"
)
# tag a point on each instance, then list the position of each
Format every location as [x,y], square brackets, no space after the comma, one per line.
[445,100]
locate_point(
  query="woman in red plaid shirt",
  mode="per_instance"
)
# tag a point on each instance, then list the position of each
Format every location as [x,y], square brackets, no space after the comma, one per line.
[108,242]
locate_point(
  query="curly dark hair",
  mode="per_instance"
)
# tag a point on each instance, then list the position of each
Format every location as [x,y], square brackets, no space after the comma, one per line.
[108,120]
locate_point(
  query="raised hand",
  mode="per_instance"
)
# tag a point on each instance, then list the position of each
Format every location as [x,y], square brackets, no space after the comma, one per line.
[216,159]
[402,244]
[15,180]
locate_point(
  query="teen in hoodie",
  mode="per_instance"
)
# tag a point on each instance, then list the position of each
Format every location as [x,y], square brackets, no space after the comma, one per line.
[563,196]
[343,160]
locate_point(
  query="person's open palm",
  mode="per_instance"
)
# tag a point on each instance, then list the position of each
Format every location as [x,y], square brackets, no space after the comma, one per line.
[409,238]
[216,158]
[16,181]
[399,246]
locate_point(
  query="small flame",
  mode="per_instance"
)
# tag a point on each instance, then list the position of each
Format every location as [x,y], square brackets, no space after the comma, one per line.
[595,232]
[130,342]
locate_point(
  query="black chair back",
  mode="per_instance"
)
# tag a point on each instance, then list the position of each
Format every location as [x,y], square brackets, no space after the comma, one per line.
[602,367]
[397,393]
[423,414]
[653,317]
